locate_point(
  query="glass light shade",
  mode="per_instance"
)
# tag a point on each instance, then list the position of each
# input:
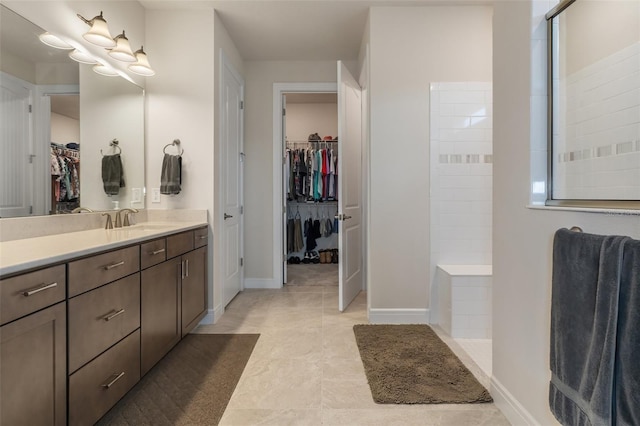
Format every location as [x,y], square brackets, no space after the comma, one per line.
[54,41]
[105,70]
[122,51]
[99,33]
[142,67]
[82,57]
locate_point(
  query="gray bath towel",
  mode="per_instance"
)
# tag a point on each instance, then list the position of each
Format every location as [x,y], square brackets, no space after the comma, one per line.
[112,174]
[627,385]
[171,177]
[584,312]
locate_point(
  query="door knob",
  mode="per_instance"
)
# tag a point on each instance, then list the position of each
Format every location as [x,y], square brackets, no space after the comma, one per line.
[227,216]
[342,216]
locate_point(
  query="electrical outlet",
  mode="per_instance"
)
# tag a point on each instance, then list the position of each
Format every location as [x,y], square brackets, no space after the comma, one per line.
[155,195]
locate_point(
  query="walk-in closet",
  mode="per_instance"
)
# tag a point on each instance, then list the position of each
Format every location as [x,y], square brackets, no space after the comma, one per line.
[64,152]
[310,182]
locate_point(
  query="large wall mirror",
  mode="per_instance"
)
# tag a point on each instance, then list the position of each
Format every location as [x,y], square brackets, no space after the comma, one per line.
[58,120]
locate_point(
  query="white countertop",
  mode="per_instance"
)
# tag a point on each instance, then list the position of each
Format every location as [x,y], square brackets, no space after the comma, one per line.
[28,253]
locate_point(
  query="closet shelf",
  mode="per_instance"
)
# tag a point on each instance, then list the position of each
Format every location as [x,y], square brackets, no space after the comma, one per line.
[313,203]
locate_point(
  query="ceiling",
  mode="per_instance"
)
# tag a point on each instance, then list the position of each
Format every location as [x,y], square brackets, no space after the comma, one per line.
[296,29]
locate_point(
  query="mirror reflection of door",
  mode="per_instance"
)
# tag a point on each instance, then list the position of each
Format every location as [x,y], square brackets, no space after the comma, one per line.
[65,152]
[16,140]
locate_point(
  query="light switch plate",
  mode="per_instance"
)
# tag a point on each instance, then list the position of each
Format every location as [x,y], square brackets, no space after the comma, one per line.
[155,195]
[136,195]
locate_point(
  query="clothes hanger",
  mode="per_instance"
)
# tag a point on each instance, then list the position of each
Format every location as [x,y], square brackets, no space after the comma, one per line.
[114,143]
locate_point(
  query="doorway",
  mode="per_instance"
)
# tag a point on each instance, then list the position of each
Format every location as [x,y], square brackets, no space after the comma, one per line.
[349,180]
[310,188]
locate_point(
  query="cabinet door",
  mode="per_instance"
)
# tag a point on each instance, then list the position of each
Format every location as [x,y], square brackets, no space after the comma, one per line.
[160,311]
[194,288]
[33,372]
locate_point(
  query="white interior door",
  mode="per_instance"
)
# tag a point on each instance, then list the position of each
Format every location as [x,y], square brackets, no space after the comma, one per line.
[16,178]
[349,187]
[232,163]
[285,181]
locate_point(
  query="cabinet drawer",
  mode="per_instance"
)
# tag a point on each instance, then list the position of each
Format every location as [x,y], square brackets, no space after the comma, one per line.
[179,244]
[94,271]
[152,253]
[101,317]
[97,386]
[27,293]
[200,237]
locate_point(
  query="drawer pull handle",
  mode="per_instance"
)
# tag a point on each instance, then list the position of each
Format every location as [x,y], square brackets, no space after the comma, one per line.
[113,315]
[202,237]
[113,381]
[156,251]
[114,265]
[187,261]
[38,289]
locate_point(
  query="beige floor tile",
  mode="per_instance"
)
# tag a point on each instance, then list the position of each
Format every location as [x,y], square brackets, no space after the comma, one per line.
[244,417]
[347,394]
[279,384]
[306,367]
[414,415]
[278,343]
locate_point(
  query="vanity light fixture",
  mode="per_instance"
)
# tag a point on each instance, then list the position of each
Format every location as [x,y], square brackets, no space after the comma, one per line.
[54,41]
[105,70]
[99,32]
[82,57]
[122,51]
[142,67]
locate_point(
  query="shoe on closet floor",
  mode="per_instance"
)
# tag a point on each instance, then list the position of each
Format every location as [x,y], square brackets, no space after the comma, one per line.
[307,258]
[334,256]
[314,257]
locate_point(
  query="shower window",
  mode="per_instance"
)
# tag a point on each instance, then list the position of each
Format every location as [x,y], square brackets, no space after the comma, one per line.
[594,104]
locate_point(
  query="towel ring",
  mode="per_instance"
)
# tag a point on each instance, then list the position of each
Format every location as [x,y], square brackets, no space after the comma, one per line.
[176,143]
[114,143]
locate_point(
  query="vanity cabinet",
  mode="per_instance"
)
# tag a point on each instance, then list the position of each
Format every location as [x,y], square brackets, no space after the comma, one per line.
[173,294]
[194,289]
[33,348]
[117,312]
[161,311]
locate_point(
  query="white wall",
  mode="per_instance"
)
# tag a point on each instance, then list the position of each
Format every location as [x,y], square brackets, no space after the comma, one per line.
[111,108]
[522,237]
[180,105]
[411,47]
[64,129]
[304,119]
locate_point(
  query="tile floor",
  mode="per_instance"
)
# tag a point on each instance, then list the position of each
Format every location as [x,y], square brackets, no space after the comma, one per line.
[306,369]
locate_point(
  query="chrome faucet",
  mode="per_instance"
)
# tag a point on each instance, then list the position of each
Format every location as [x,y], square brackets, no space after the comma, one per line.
[81,209]
[119,221]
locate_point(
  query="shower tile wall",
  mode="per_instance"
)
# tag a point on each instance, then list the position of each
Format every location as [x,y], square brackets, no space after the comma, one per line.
[461,173]
[461,177]
[596,157]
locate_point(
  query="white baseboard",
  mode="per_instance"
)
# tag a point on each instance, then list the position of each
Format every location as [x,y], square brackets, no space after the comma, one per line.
[509,405]
[261,283]
[399,316]
[209,318]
